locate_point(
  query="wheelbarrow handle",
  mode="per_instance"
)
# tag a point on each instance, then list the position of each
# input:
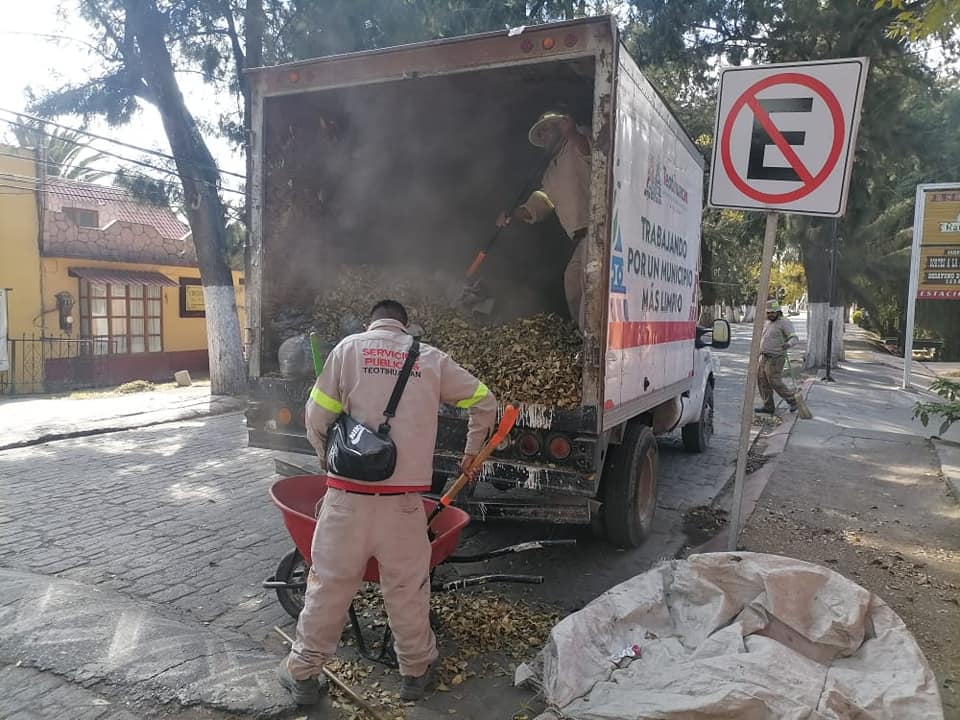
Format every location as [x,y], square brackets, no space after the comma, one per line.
[510,414]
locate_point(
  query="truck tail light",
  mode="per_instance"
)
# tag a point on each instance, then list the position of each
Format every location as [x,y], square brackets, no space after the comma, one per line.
[571,39]
[284,416]
[526,45]
[559,447]
[528,444]
[548,43]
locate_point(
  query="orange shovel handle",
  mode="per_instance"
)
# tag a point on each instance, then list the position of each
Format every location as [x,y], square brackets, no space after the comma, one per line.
[477,262]
[510,414]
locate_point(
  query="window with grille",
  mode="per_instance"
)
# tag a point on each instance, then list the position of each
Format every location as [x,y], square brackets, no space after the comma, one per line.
[83,218]
[121,318]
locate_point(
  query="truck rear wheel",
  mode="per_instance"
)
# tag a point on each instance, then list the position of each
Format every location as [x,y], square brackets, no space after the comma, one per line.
[630,486]
[696,436]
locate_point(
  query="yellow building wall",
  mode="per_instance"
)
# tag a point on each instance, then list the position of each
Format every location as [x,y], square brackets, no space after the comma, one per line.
[19,233]
[179,333]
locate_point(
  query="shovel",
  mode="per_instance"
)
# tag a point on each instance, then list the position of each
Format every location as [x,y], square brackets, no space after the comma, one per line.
[473,295]
[797,395]
[510,414]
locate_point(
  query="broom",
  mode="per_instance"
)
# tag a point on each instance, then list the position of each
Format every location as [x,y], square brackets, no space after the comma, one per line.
[797,395]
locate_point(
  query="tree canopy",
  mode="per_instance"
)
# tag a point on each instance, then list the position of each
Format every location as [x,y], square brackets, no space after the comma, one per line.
[907,134]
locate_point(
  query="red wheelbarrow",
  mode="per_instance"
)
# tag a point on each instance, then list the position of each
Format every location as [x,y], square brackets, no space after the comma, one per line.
[298,497]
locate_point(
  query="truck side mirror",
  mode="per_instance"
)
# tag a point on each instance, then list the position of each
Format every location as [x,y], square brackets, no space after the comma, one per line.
[719,335]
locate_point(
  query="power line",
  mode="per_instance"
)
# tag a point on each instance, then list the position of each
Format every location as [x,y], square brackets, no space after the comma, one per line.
[29,183]
[138,148]
[85,167]
[116,192]
[155,168]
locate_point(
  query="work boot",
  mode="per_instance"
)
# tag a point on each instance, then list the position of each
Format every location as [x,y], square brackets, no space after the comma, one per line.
[764,409]
[793,406]
[303,692]
[414,688]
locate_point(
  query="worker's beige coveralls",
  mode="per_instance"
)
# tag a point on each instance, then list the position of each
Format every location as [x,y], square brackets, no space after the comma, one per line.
[383,520]
[777,337]
[566,191]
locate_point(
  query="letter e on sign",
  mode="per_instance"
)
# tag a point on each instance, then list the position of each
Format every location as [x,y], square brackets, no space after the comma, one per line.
[785,136]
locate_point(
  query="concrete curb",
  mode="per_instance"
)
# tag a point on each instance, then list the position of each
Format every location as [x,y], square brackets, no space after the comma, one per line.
[949,454]
[755,483]
[97,637]
[215,406]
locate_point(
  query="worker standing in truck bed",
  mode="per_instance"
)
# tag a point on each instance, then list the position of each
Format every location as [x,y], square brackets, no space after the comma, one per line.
[564,190]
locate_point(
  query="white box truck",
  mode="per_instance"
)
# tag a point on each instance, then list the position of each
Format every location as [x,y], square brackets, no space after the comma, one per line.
[405,156]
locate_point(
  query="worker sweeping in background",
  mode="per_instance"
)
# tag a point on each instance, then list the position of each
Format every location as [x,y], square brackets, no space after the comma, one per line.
[381,517]
[778,336]
[565,190]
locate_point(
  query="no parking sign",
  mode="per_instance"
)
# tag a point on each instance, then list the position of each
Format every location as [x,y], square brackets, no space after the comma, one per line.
[785,136]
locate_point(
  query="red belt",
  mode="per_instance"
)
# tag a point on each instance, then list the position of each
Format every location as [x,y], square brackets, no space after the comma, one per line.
[357,489]
[376,494]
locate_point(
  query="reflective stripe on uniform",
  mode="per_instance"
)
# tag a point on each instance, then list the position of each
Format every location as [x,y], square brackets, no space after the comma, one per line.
[325,401]
[479,394]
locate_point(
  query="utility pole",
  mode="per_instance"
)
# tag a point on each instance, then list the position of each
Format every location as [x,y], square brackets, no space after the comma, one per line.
[832,294]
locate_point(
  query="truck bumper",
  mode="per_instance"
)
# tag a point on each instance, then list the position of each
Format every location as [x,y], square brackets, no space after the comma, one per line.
[560,511]
[540,479]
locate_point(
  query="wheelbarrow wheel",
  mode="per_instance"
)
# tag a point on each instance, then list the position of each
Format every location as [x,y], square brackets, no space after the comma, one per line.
[292,569]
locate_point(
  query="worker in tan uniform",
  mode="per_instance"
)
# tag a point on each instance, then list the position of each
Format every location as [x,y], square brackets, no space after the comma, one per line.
[564,190]
[778,335]
[386,519]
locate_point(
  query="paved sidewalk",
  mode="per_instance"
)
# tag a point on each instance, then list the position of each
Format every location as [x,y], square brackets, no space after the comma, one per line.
[99,638]
[859,490]
[33,420]
[949,454]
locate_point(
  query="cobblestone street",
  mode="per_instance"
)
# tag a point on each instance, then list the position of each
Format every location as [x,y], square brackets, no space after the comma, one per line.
[177,516]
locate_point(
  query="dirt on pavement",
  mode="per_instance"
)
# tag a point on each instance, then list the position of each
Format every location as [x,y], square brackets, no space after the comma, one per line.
[873,507]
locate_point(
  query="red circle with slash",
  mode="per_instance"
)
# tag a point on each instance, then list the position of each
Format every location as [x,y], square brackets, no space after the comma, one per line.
[810,181]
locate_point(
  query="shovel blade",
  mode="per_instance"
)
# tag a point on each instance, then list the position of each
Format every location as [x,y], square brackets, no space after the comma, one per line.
[476,299]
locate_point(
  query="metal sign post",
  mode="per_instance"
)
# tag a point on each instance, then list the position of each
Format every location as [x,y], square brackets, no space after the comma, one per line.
[746,416]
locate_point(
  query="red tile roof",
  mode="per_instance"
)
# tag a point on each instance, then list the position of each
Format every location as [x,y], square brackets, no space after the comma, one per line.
[112,203]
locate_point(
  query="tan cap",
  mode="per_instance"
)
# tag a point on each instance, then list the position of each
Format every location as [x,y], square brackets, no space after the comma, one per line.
[536,134]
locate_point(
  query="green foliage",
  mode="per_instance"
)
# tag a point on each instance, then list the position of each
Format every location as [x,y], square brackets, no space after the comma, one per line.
[729,237]
[860,317]
[907,135]
[159,192]
[917,20]
[65,151]
[948,410]
[788,282]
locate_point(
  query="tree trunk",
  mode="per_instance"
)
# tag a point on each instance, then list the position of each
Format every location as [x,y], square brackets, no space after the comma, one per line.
[200,178]
[815,237]
[253,30]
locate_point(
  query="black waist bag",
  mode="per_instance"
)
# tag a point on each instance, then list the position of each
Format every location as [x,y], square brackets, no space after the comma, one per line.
[356,451]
